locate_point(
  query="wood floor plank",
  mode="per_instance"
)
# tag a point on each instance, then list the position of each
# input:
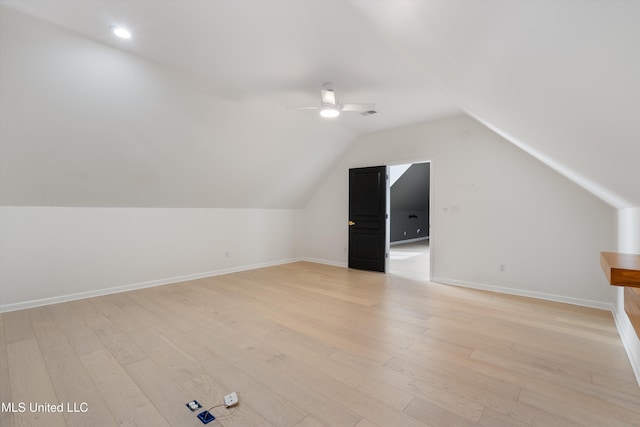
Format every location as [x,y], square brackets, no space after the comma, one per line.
[499,393]
[289,343]
[311,345]
[343,395]
[354,317]
[579,408]
[310,421]
[454,365]
[153,339]
[17,326]
[127,403]
[435,415]
[31,385]
[523,416]
[367,423]
[531,373]
[445,399]
[6,419]
[623,386]
[71,382]
[610,366]
[480,393]
[121,346]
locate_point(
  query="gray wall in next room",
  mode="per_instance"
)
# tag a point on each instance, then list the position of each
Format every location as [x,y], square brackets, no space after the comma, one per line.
[410,204]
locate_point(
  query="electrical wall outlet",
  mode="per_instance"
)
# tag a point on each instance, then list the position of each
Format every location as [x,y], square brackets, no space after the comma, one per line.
[194,405]
[231,399]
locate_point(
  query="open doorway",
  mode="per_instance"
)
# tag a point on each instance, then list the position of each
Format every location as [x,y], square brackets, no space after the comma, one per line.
[409,194]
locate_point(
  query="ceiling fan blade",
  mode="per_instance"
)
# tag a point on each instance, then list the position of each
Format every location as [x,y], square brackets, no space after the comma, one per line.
[329,104]
[328,96]
[358,107]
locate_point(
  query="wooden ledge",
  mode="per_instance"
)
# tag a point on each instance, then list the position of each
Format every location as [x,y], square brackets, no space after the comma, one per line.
[621,269]
[632,307]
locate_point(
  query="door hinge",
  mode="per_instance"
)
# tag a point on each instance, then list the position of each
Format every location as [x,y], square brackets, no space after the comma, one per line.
[386,254]
[386,216]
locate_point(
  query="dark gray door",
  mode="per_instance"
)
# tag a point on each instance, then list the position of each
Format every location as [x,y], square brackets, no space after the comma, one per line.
[367,218]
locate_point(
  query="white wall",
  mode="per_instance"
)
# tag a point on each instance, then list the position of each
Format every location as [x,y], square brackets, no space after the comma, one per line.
[512,210]
[86,124]
[629,230]
[50,254]
[628,242]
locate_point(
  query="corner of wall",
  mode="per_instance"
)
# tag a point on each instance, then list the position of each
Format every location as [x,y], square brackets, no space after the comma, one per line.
[628,225]
[627,334]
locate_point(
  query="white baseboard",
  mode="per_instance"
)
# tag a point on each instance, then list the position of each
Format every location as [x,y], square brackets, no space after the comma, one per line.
[326,262]
[124,288]
[628,336]
[539,295]
[417,239]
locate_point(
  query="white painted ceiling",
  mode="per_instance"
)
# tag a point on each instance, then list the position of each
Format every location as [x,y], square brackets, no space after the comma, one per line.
[559,79]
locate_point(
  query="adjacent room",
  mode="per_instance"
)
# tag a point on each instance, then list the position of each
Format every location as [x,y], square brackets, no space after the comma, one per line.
[409,194]
[319,213]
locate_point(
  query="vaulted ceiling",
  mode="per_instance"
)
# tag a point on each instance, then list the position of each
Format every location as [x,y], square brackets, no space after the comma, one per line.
[193,110]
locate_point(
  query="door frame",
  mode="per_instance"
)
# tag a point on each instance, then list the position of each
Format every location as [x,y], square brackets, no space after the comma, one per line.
[431,210]
[432,218]
[387,221]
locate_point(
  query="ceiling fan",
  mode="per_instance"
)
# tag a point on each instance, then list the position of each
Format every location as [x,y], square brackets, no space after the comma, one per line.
[329,107]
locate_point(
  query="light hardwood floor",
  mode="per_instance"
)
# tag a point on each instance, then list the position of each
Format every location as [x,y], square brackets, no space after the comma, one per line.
[310,345]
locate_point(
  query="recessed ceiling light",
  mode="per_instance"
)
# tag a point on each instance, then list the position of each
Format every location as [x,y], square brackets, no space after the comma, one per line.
[329,112]
[121,32]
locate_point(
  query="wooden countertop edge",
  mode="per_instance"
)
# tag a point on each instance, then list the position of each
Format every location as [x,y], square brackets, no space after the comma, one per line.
[621,269]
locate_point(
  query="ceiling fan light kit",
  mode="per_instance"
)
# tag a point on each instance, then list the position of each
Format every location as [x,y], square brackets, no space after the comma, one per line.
[330,108]
[329,112]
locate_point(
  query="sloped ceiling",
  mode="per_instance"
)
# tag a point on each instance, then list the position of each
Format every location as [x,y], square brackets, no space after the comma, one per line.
[208,83]
[557,78]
